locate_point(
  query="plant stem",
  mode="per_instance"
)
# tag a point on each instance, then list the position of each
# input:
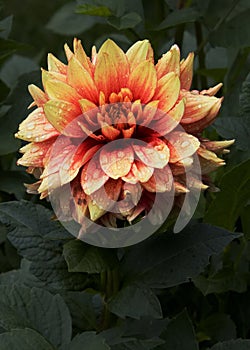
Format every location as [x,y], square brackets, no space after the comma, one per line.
[201,54]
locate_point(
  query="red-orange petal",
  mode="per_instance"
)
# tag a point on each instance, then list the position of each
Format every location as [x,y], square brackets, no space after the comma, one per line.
[116,162]
[142,81]
[111,69]
[38,95]
[141,171]
[54,65]
[81,80]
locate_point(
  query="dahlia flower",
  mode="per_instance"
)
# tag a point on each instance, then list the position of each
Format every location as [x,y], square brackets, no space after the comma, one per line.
[124,127]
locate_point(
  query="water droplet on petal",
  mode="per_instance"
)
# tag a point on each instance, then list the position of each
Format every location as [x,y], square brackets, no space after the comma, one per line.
[30,126]
[184,144]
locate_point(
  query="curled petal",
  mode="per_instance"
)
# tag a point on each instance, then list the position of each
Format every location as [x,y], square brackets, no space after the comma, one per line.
[218,146]
[167,91]
[155,154]
[160,181]
[181,145]
[186,73]
[111,69]
[209,160]
[116,162]
[142,81]
[36,127]
[140,51]
[170,62]
[212,91]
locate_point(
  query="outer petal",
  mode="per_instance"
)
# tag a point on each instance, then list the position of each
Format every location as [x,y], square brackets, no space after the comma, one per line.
[167,91]
[209,160]
[55,65]
[38,95]
[61,114]
[93,177]
[112,69]
[155,154]
[140,51]
[82,57]
[186,74]
[36,127]
[81,80]
[34,153]
[160,181]
[142,81]
[116,162]
[181,145]
[170,62]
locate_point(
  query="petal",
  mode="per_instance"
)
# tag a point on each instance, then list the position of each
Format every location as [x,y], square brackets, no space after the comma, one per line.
[167,91]
[197,106]
[112,69]
[38,95]
[160,181]
[170,62]
[212,91]
[209,160]
[93,177]
[109,131]
[155,154]
[55,65]
[61,114]
[140,51]
[186,74]
[142,81]
[181,145]
[36,127]
[218,146]
[116,162]
[82,57]
[81,80]
[59,90]
[80,207]
[34,153]
[169,120]
[141,171]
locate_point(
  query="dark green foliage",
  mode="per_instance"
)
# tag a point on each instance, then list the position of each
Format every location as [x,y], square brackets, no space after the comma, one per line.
[187,291]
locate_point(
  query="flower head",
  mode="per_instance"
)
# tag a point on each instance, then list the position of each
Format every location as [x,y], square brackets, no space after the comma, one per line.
[118,129]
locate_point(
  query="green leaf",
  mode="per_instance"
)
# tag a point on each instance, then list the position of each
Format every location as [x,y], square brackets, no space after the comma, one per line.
[24,339]
[46,313]
[66,22]
[135,302]
[94,10]
[238,344]
[28,226]
[217,327]
[81,257]
[172,259]
[230,33]
[20,100]
[11,318]
[233,196]
[12,182]
[179,334]
[5,27]
[88,341]
[245,97]
[130,20]
[235,128]
[86,308]
[175,18]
